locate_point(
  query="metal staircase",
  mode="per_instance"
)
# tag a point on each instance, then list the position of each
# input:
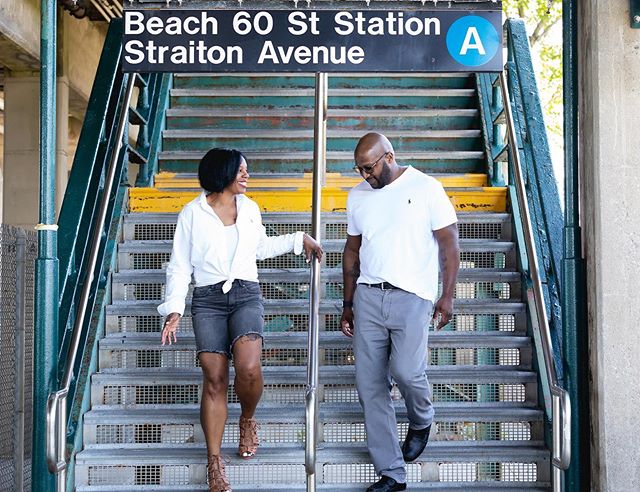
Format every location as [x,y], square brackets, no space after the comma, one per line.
[142,431]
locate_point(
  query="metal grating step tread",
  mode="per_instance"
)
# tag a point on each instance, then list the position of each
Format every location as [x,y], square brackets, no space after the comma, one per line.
[306,134]
[329,412]
[439,486]
[335,155]
[304,218]
[331,112]
[302,275]
[298,340]
[482,374]
[462,306]
[329,246]
[176,454]
[298,92]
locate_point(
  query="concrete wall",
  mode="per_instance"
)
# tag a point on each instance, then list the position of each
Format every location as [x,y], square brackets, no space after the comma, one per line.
[80,43]
[79,47]
[19,34]
[610,160]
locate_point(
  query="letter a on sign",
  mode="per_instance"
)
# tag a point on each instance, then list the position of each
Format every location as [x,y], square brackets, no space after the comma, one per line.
[472,42]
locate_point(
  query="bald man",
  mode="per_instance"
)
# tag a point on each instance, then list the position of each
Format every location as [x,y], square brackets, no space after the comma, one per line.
[401,230]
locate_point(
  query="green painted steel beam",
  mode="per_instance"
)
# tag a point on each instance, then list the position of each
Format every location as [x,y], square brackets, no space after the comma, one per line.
[85,180]
[635,14]
[46,296]
[574,328]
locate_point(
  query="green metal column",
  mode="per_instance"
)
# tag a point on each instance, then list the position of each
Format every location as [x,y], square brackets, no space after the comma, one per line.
[46,304]
[574,321]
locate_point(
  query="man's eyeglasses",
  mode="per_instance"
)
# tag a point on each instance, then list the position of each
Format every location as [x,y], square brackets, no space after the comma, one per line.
[369,168]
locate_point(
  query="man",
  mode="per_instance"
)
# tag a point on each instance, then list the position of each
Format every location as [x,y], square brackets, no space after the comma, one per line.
[401,227]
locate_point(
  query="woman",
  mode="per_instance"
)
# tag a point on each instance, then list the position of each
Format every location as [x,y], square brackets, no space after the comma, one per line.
[218,238]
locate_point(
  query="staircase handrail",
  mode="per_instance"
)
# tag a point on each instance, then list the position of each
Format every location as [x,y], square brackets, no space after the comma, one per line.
[319,178]
[89,221]
[56,404]
[561,404]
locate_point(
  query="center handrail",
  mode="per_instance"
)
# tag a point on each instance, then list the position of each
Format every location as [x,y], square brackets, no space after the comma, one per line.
[56,422]
[560,402]
[319,176]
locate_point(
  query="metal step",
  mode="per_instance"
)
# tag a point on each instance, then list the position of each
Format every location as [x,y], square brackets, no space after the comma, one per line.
[258,92]
[329,246]
[304,218]
[338,139]
[337,464]
[438,486]
[474,253]
[465,385]
[308,112]
[463,306]
[344,156]
[180,424]
[308,134]
[360,119]
[329,412]
[290,349]
[265,181]
[161,226]
[470,316]
[298,340]
[291,376]
[294,284]
[268,275]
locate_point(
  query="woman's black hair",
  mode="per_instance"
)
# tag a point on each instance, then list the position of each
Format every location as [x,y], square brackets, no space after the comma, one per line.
[219,168]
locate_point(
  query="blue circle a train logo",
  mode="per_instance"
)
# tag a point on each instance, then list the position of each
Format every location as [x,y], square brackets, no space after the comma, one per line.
[472,41]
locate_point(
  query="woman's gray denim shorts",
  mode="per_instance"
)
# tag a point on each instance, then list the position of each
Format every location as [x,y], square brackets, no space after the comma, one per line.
[220,319]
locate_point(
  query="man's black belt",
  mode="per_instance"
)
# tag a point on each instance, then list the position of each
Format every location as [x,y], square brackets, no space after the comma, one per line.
[383,286]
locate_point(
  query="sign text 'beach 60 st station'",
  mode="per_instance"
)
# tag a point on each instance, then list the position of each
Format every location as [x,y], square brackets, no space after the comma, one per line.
[311,40]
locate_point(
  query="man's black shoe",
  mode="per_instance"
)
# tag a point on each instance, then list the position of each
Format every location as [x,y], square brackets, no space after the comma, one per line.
[415,443]
[386,484]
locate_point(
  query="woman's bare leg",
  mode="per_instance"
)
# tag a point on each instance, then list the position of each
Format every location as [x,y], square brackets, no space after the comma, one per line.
[213,406]
[248,382]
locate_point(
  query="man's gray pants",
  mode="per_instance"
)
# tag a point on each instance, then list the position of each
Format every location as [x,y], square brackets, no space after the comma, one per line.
[390,341]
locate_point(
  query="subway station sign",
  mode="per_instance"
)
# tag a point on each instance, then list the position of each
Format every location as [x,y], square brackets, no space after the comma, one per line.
[446,40]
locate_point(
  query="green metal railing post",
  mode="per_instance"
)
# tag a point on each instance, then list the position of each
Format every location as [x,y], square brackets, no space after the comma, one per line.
[46,297]
[574,326]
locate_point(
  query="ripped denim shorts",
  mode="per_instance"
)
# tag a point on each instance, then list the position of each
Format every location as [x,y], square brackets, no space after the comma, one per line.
[220,319]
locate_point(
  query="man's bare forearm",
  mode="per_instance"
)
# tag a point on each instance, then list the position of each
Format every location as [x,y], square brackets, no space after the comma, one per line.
[350,272]
[449,255]
[351,266]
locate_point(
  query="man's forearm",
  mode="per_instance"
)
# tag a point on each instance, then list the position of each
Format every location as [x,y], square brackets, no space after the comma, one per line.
[449,265]
[350,273]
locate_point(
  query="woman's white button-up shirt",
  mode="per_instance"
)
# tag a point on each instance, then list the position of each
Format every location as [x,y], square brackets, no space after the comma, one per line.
[200,249]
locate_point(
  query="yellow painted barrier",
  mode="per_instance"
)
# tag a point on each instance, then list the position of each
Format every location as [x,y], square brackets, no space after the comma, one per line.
[475,199]
[166,180]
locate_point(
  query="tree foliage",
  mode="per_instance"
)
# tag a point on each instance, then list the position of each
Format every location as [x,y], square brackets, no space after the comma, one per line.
[543,21]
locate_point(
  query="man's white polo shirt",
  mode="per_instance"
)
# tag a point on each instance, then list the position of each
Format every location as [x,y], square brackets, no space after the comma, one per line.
[200,248]
[397,223]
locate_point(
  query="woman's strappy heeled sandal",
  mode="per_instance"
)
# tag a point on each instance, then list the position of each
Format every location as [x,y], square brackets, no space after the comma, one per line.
[216,475]
[248,438]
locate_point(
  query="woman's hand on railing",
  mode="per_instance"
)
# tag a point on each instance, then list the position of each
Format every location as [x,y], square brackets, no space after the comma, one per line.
[170,328]
[312,246]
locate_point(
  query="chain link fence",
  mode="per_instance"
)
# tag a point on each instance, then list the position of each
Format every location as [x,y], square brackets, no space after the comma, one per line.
[18,253]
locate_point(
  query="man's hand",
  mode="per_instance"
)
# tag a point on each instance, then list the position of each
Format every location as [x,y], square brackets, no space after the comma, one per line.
[443,312]
[346,322]
[170,329]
